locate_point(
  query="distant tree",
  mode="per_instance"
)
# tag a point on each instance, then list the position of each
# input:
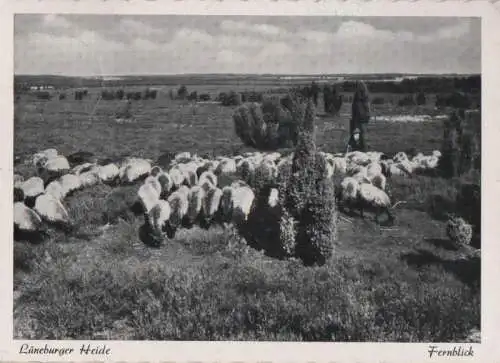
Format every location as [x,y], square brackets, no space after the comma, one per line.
[421,99]
[62,96]
[193,96]
[407,101]
[120,94]
[182,92]
[204,97]
[314,93]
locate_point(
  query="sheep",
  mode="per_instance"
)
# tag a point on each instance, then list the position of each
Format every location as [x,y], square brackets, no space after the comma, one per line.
[339,166]
[246,169]
[56,190]
[108,173]
[176,176]
[32,188]
[182,157]
[190,178]
[165,182]
[155,171]
[379,180]
[148,195]
[53,168]
[155,183]
[226,167]
[179,204]
[400,156]
[89,178]
[373,169]
[52,210]
[209,177]
[346,194]
[372,197]
[158,219]
[236,203]
[77,170]
[358,157]
[70,183]
[210,206]
[195,200]
[27,223]
[42,157]
[437,153]
[134,169]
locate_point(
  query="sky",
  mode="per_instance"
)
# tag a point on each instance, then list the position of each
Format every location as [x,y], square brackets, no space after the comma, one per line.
[92,45]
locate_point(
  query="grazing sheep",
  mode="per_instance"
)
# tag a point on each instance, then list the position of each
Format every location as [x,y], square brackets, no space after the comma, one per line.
[340,166]
[70,183]
[155,183]
[437,153]
[176,176]
[209,177]
[373,169]
[400,156]
[108,173]
[148,195]
[210,206]
[179,205]
[77,170]
[89,178]
[155,171]
[190,177]
[54,168]
[226,167]
[379,181]
[42,157]
[226,204]
[195,200]
[32,188]
[347,193]
[358,158]
[406,166]
[27,223]
[372,197]
[242,201]
[80,157]
[245,169]
[165,182]
[158,219]
[52,210]
[182,157]
[134,169]
[56,190]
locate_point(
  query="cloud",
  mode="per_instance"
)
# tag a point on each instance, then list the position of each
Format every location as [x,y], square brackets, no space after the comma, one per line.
[261,29]
[56,21]
[128,45]
[136,27]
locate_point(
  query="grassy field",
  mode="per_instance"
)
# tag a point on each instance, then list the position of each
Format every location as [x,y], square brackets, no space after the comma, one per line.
[406,283]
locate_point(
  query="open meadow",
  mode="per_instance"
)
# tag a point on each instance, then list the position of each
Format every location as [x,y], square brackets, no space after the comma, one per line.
[406,283]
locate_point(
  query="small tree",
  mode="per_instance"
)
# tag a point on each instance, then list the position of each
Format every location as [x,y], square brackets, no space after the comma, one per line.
[182,92]
[360,104]
[309,204]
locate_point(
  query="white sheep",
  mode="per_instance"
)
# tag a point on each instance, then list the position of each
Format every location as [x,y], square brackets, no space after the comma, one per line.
[375,198]
[179,204]
[195,200]
[70,183]
[159,216]
[242,200]
[339,166]
[176,176]
[51,209]
[89,178]
[210,205]
[56,190]
[77,170]
[156,170]
[400,156]
[226,167]
[32,187]
[108,173]
[165,182]
[208,176]
[26,220]
[134,169]
[148,195]
[379,180]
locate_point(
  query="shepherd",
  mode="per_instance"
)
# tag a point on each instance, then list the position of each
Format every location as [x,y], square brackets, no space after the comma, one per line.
[360,117]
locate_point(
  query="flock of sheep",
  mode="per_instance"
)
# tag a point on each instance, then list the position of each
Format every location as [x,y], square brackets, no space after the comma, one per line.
[194,190]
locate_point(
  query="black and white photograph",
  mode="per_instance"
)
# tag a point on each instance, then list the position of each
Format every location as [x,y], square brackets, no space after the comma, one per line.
[247,178]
